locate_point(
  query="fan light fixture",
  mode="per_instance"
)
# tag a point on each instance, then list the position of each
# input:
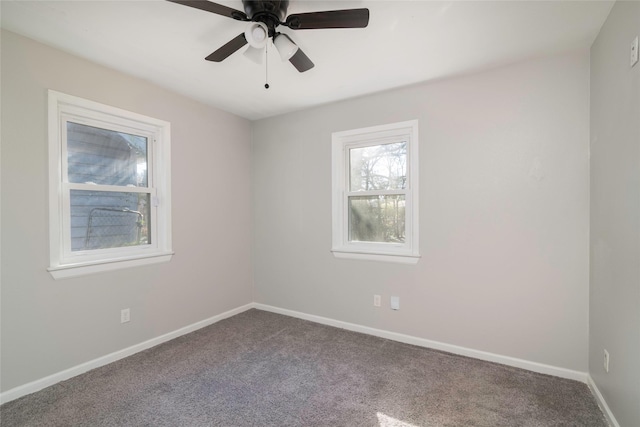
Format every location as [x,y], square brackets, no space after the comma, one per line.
[257,35]
[286,47]
[254,54]
[264,18]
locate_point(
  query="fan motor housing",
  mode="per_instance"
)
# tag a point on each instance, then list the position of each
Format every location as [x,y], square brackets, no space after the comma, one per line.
[263,11]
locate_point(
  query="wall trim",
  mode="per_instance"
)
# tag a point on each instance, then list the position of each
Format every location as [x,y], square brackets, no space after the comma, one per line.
[611,419]
[50,380]
[436,345]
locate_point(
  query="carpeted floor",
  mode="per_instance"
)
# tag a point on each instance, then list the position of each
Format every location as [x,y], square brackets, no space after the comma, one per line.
[264,369]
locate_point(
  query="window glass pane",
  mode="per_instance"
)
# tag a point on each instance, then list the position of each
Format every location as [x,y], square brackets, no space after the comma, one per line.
[104,219]
[378,167]
[377,219]
[105,157]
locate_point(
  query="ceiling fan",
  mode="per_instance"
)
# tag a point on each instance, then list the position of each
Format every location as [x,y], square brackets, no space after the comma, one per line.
[265,17]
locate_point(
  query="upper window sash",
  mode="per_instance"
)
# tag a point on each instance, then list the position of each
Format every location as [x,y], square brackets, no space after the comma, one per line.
[148,132]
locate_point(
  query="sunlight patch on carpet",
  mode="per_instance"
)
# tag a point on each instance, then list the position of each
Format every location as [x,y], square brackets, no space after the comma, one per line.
[387,421]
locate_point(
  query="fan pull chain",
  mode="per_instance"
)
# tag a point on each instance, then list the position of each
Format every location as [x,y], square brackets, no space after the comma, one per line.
[266,66]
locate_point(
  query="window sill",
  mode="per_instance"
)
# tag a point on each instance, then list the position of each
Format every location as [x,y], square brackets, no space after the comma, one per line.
[396,258]
[81,269]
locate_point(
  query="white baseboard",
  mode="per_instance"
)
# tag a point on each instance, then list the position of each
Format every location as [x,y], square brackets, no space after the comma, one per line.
[50,380]
[422,342]
[602,403]
[37,385]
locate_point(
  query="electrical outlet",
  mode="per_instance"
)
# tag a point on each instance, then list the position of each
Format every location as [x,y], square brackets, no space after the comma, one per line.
[125,315]
[395,303]
[377,301]
[606,361]
[634,51]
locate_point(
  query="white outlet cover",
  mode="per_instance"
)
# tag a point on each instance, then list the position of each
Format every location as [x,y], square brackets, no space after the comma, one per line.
[395,303]
[634,51]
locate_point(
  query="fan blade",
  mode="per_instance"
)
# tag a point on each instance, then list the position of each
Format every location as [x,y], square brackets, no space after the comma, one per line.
[225,51]
[216,8]
[349,18]
[301,61]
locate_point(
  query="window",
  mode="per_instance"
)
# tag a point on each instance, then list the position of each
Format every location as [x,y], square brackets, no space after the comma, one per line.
[109,187]
[375,193]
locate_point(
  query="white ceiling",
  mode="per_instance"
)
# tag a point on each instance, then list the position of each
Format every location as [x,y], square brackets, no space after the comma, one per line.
[406,42]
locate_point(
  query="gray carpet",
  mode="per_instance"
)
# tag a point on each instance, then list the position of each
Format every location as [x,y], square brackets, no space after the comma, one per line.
[264,369]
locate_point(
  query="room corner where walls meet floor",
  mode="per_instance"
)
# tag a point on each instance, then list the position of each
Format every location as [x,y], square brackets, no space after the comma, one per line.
[407,339]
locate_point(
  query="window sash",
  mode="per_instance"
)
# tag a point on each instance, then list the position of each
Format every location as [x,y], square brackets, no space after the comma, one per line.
[143,131]
[69,255]
[346,184]
[370,246]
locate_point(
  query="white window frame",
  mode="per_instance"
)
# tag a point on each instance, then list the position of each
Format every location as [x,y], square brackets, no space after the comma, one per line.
[64,262]
[407,252]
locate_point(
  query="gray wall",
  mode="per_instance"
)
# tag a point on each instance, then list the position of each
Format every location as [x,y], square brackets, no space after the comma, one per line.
[504,199]
[504,216]
[49,326]
[615,214]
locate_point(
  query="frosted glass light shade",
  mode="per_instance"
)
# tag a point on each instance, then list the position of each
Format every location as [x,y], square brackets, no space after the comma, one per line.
[286,47]
[254,54]
[257,34]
